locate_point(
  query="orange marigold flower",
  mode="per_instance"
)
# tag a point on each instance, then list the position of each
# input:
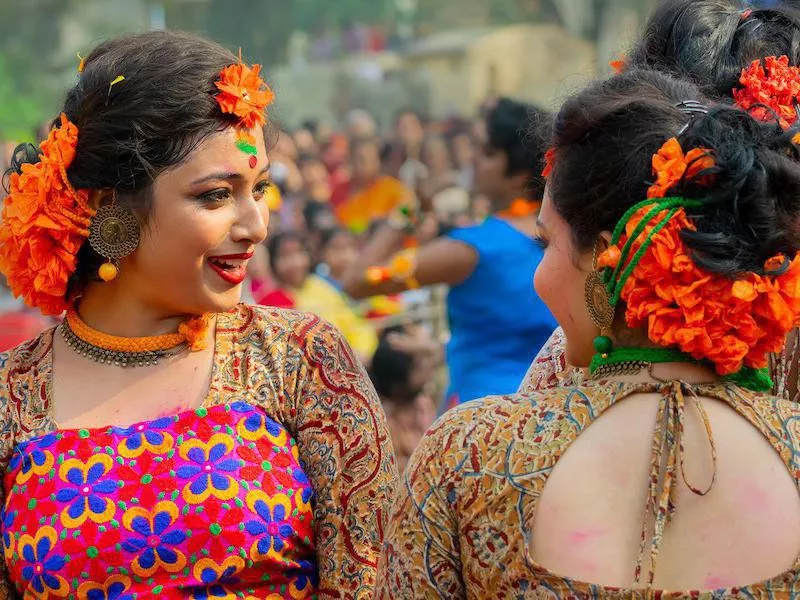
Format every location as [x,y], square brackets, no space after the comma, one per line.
[43,224]
[618,65]
[609,258]
[549,162]
[671,166]
[244,94]
[770,87]
[732,323]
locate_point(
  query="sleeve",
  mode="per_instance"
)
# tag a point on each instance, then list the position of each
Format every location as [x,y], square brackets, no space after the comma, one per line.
[345,448]
[7,590]
[550,369]
[421,553]
[785,369]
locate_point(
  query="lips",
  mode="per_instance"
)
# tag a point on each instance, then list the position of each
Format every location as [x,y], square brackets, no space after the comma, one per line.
[232,268]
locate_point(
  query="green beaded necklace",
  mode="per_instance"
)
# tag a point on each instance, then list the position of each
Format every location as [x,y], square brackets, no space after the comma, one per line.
[616,360]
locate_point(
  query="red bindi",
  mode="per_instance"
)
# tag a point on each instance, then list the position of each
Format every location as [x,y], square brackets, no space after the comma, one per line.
[253,162]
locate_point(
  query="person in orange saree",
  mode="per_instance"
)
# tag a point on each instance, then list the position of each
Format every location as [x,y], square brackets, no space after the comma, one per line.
[368,196]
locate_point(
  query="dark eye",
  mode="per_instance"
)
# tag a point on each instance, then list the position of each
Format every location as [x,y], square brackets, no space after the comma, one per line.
[540,241]
[261,189]
[215,196]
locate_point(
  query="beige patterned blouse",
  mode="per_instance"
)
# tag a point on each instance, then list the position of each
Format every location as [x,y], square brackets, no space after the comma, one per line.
[461,523]
[304,375]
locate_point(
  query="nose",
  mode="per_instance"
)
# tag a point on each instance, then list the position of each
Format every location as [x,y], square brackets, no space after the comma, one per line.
[252,221]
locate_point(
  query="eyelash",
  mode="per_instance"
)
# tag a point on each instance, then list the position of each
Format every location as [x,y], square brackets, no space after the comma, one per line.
[540,241]
[222,194]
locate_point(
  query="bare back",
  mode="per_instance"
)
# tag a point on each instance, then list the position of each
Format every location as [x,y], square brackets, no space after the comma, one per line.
[589,518]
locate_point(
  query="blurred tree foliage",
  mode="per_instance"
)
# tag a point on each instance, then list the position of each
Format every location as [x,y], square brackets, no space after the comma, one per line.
[29,35]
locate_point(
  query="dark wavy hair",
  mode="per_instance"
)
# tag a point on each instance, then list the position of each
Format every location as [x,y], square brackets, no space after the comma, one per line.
[605,137]
[515,129]
[133,131]
[709,42]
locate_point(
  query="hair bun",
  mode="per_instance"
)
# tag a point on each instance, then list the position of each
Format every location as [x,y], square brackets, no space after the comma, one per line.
[750,208]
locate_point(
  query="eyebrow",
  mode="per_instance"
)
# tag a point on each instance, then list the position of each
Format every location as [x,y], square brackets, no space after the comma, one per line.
[540,224]
[223,176]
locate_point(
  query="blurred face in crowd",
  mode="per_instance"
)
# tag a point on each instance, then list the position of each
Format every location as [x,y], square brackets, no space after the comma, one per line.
[340,253]
[361,125]
[293,264]
[304,141]
[435,154]
[366,162]
[314,173]
[463,150]
[491,172]
[285,146]
[409,129]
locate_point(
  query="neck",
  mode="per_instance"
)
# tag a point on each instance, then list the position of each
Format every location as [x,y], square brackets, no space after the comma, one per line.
[103,307]
[674,371]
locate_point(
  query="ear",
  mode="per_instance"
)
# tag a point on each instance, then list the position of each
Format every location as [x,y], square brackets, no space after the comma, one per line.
[587,257]
[604,241]
[100,197]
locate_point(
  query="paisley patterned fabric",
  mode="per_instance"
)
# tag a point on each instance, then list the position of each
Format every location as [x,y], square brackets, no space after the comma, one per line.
[274,487]
[461,523]
[550,369]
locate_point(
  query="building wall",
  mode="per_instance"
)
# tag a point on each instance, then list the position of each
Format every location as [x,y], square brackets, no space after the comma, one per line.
[537,63]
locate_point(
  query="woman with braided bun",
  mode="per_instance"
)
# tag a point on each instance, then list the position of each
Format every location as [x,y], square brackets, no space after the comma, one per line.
[672,264]
[166,441]
[715,44]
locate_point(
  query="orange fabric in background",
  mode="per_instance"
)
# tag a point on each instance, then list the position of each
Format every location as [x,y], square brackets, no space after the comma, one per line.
[372,203]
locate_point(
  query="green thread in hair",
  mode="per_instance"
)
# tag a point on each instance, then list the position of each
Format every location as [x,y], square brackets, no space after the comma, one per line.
[757,380]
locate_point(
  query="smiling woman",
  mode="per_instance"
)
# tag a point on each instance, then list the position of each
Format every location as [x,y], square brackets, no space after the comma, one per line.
[214,464]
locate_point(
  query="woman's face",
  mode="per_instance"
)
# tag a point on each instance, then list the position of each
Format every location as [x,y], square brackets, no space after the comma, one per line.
[435,155]
[463,150]
[560,280]
[293,264]
[340,254]
[366,162]
[491,172]
[208,216]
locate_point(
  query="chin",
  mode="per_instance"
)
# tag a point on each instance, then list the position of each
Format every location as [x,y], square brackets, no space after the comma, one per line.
[222,302]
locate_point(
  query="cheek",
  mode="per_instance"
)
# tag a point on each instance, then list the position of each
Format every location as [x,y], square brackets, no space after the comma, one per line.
[561,286]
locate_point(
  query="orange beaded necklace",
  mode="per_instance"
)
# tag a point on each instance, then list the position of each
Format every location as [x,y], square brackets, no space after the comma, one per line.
[137,351]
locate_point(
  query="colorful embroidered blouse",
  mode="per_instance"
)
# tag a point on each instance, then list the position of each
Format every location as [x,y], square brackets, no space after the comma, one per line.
[461,524]
[274,488]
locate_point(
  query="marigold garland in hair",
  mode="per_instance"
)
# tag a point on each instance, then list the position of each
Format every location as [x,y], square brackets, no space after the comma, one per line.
[732,323]
[768,88]
[44,222]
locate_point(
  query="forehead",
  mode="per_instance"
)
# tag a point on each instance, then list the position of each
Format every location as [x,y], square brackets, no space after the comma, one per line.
[219,151]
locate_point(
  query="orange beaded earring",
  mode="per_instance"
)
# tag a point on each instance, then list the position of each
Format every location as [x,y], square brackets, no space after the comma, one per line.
[113,234]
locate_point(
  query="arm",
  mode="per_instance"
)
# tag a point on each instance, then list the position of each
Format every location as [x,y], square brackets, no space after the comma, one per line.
[442,261]
[421,553]
[7,590]
[345,448]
